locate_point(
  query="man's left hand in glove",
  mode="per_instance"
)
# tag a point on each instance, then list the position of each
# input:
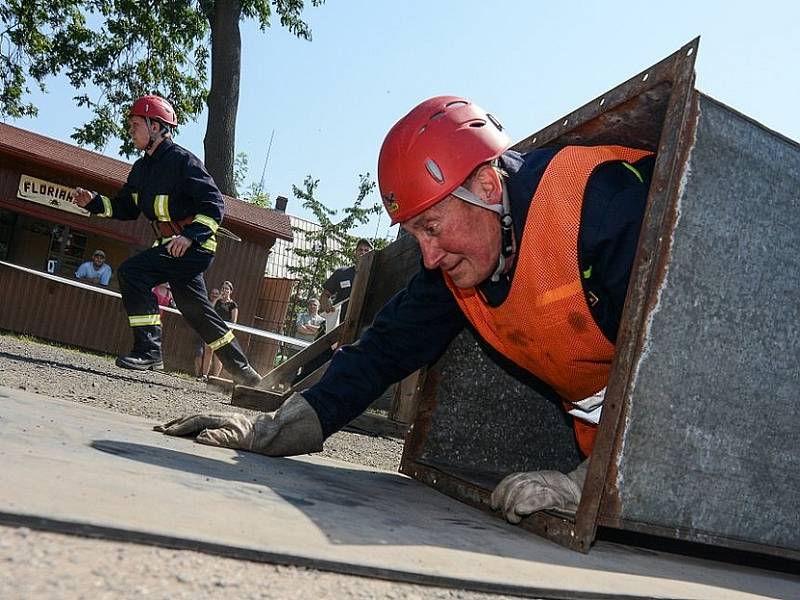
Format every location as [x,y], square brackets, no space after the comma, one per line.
[522,494]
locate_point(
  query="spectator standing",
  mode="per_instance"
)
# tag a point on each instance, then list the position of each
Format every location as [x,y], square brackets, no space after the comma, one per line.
[200,346]
[308,323]
[96,270]
[228,310]
[339,285]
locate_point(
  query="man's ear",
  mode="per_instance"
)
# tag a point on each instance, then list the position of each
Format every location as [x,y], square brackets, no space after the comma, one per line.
[486,185]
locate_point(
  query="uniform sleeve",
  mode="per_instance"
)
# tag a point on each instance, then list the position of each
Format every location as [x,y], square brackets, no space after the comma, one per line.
[330,283]
[209,206]
[123,206]
[413,330]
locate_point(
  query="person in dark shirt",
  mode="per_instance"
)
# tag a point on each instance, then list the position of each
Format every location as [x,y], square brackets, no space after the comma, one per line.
[532,251]
[228,310]
[337,288]
[173,190]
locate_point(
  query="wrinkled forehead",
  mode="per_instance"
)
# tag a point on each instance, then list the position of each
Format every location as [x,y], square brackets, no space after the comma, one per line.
[437,212]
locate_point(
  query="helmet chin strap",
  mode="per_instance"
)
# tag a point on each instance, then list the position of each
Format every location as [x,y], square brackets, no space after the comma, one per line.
[152,135]
[506,224]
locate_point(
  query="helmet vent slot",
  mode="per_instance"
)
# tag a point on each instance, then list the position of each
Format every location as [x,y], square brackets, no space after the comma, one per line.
[434,170]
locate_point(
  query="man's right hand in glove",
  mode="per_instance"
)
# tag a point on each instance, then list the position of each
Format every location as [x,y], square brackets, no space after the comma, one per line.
[522,494]
[292,429]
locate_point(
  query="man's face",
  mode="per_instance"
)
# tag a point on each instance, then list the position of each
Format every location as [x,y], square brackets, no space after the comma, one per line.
[313,307]
[362,249]
[461,239]
[98,261]
[137,129]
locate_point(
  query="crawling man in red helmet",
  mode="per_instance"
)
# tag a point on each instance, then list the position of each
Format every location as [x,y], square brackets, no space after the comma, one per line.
[532,251]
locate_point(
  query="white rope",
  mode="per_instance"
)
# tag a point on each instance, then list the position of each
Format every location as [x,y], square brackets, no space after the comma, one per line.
[235,326]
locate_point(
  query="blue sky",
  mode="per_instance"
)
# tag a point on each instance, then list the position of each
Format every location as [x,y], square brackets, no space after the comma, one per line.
[331,101]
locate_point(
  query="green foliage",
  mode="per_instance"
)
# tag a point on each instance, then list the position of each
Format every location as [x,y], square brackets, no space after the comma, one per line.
[331,246]
[241,165]
[113,51]
[122,48]
[253,193]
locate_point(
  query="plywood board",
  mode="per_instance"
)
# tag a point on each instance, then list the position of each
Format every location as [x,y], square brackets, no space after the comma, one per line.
[72,468]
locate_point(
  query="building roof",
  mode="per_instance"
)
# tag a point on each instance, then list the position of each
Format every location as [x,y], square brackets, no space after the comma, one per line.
[59,155]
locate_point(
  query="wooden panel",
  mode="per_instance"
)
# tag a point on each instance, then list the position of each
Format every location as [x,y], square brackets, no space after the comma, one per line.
[62,313]
[241,263]
[270,315]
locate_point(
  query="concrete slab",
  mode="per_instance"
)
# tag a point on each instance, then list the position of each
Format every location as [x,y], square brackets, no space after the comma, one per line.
[72,468]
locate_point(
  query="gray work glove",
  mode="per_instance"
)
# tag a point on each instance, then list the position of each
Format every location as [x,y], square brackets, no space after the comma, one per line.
[522,494]
[292,429]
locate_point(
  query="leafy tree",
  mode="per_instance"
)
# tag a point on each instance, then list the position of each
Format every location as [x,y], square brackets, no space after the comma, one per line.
[128,48]
[331,246]
[241,166]
[253,193]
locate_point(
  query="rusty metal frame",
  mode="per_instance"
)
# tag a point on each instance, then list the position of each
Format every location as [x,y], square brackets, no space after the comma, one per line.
[675,76]
[676,135]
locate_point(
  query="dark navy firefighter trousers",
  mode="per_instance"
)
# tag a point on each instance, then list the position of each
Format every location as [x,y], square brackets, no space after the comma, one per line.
[139,274]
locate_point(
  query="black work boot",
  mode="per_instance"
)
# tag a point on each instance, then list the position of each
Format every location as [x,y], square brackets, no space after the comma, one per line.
[247,376]
[140,363]
[235,363]
[146,353]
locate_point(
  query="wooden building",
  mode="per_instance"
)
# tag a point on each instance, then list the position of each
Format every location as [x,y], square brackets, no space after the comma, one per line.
[41,230]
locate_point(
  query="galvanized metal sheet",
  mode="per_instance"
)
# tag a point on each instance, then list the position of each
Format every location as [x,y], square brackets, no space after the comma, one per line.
[487,424]
[710,446]
[72,468]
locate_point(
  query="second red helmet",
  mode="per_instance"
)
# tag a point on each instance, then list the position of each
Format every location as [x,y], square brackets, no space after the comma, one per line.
[155,107]
[432,150]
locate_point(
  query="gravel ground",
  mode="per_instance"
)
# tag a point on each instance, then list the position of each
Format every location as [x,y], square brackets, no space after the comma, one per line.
[35,564]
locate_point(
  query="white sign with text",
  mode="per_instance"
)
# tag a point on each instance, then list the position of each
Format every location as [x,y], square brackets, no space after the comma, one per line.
[48,193]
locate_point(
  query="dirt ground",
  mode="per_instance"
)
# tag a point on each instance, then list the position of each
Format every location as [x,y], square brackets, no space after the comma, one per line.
[36,564]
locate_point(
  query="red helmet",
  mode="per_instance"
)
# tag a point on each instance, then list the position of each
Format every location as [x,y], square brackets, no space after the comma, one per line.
[155,107]
[432,150]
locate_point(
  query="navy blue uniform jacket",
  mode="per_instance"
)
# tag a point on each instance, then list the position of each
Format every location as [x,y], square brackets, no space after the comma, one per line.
[169,185]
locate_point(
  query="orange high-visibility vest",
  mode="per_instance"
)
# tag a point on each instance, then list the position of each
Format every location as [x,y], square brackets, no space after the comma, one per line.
[545,325]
